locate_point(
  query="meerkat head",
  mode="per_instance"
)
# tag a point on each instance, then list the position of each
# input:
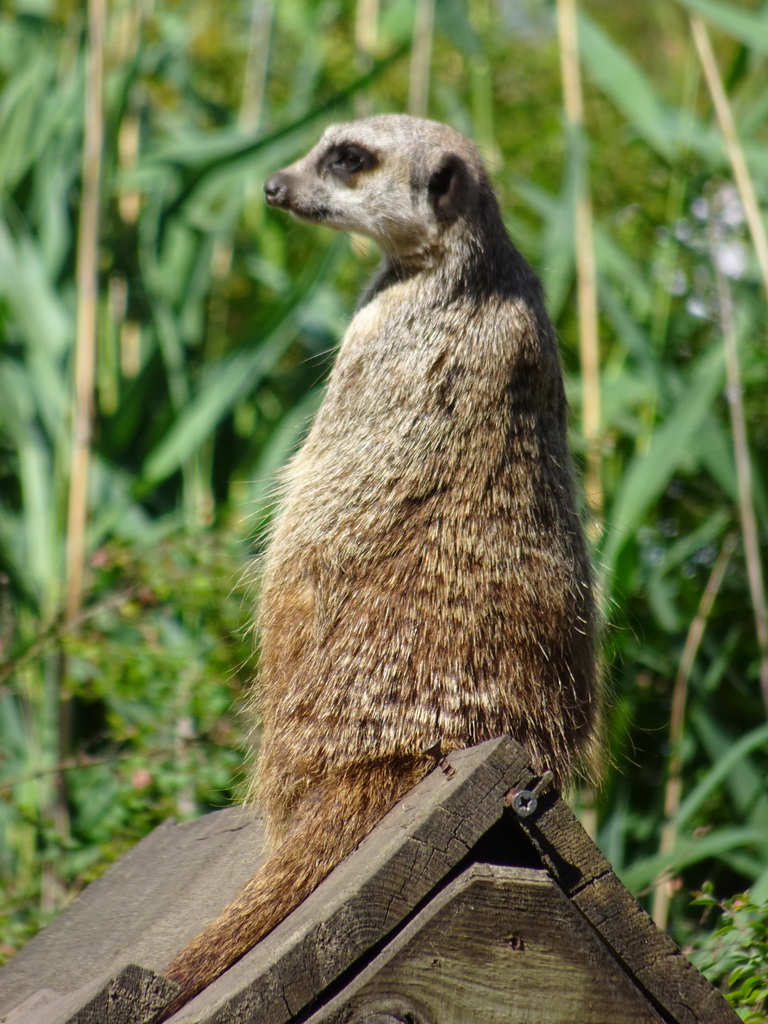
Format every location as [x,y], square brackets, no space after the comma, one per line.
[401,180]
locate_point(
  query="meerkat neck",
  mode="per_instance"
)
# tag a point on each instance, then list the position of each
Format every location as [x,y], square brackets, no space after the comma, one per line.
[476,262]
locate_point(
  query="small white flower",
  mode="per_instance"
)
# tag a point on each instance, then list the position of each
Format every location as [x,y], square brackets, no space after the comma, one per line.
[700,208]
[683,230]
[697,307]
[731,209]
[678,284]
[731,259]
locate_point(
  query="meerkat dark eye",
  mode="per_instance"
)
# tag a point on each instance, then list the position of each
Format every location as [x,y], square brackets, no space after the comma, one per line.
[346,161]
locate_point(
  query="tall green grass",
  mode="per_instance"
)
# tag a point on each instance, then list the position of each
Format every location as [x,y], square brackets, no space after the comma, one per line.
[216,323]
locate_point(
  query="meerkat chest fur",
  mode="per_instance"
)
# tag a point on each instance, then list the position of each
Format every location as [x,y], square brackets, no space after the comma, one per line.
[427,579]
[411,379]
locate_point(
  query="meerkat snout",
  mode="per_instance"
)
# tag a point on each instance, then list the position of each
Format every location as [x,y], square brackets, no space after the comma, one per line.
[276,189]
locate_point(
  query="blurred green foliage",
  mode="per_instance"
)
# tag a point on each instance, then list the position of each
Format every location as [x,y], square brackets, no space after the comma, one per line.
[734,953]
[217,321]
[155,668]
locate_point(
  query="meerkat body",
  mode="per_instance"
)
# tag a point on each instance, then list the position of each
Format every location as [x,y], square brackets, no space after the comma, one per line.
[427,584]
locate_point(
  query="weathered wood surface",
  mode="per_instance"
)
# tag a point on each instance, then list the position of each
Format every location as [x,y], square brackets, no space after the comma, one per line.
[661,970]
[142,910]
[31,1008]
[422,839]
[357,925]
[146,907]
[499,945]
[133,995]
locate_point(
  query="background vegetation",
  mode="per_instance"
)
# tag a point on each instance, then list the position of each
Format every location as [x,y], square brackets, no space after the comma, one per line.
[165,338]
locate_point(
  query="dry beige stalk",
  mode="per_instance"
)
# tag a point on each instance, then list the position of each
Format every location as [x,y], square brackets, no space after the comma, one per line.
[674,789]
[421,57]
[586,274]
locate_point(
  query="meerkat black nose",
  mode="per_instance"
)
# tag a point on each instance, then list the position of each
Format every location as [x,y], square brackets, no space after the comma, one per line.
[276,189]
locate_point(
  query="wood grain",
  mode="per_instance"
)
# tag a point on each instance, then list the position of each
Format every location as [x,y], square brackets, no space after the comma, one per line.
[416,845]
[499,945]
[453,909]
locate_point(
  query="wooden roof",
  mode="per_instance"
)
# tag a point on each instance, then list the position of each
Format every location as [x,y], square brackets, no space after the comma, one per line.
[454,906]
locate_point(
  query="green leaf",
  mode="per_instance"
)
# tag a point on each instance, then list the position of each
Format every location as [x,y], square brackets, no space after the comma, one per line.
[751,28]
[753,740]
[649,472]
[717,844]
[224,383]
[556,260]
[622,80]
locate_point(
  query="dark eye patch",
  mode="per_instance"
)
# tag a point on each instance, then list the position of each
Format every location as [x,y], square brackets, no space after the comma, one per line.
[348,159]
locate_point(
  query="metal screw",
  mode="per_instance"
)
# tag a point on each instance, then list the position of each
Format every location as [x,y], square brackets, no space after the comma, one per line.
[525,801]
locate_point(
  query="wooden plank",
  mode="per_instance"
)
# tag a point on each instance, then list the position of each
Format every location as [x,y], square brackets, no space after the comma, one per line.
[499,945]
[133,995]
[669,980]
[143,909]
[656,962]
[422,839]
[30,1011]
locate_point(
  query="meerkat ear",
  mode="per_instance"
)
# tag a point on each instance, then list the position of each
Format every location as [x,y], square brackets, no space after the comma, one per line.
[449,188]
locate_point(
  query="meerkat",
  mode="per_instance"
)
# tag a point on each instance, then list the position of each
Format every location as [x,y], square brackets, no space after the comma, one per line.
[427,584]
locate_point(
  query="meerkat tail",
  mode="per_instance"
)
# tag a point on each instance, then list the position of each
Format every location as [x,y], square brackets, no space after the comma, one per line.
[339,813]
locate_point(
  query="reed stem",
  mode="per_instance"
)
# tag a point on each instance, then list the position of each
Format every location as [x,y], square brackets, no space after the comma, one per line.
[586,274]
[674,788]
[421,58]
